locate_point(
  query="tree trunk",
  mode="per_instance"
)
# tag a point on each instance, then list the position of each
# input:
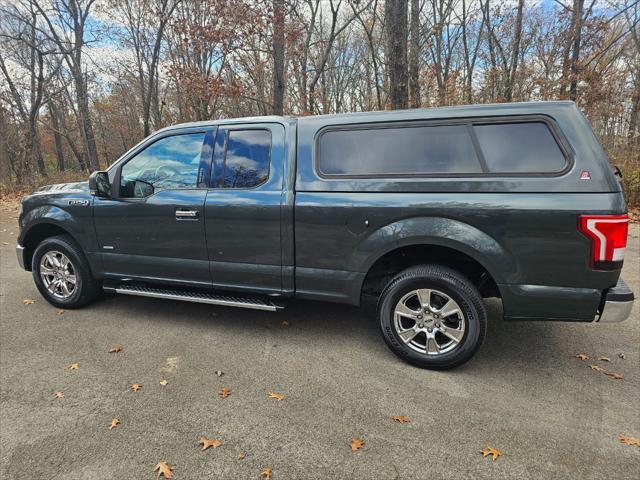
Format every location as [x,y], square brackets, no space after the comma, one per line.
[571,52]
[578,6]
[85,124]
[278,57]
[5,162]
[57,138]
[414,56]
[396,17]
[34,149]
[152,86]
[632,134]
[492,51]
[515,52]
[80,83]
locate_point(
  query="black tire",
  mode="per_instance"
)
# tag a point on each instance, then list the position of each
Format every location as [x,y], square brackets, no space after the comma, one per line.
[86,289]
[454,285]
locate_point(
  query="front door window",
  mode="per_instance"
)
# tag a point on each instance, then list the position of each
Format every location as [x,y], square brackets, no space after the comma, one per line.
[169,163]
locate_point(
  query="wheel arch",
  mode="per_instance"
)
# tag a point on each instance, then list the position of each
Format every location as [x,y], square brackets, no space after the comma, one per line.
[36,233]
[435,240]
[401,258]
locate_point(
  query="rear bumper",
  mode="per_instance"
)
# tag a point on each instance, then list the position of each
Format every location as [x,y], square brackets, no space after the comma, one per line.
[566,304]
[20,255]
[617,304]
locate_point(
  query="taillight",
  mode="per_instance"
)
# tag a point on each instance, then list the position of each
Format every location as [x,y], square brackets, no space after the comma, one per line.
[608,235]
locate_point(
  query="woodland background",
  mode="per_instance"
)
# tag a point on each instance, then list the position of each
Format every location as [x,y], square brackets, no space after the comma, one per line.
[82,81]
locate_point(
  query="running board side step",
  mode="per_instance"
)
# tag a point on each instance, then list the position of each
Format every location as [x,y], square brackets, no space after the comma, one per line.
[197,297]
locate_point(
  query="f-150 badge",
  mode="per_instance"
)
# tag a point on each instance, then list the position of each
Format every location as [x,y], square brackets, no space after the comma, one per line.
[82,203]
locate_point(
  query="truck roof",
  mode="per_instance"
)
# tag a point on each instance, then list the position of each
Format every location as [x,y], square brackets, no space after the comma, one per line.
[381,115]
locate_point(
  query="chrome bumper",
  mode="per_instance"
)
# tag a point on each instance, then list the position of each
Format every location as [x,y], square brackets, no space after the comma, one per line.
[20,255]
[618,302]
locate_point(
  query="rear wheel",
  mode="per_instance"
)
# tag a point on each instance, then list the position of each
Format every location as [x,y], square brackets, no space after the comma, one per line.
[62,274]
[432,317]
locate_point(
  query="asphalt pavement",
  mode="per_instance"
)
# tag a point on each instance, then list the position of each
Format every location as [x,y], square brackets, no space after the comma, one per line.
[524,393]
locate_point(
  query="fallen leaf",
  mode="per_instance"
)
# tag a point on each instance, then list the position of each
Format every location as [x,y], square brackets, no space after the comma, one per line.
[117,349]
[604,359]
[400,419]
[171,365]
[28,301]
[629,440]
[614,375]
[164,469]
[266,474]
[59,394]
[240,455]
[285,323]
[357,444]
[5,243]
[209,442]
[114,423]
[219,373]
[582,356]
[74,366]
[164,382]
[61,311]
[494,452]
[278,396]
[136,386]
[224,393]
[597,368]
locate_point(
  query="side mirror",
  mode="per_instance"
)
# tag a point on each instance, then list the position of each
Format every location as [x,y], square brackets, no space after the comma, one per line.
[99,184]
[142,189]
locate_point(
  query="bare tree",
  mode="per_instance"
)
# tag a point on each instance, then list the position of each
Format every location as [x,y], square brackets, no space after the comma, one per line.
[28,50]
[145,24]
[515,52]
[470,47]
[67,21]
[54,114]
[369,25]
[397,35]
[278,56]
[182,61]
[632,17]
[414,54]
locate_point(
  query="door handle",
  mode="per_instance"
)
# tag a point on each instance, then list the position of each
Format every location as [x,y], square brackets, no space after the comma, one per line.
[186,214]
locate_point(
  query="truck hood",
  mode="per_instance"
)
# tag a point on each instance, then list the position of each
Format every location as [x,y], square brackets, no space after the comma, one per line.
[64,187]
[52,201]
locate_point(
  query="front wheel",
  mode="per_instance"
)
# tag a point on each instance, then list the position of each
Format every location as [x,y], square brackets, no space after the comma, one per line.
[62,273]
[432,316]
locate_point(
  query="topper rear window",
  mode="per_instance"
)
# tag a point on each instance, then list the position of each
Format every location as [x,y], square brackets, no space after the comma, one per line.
[464,148]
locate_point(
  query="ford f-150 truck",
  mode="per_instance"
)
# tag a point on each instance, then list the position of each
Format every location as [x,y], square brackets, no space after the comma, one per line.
[427,211]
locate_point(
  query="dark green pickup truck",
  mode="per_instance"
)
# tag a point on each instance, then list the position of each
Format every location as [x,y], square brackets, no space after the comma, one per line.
[428,211]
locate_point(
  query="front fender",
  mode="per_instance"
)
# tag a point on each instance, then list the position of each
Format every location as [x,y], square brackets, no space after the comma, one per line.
[78,224]
[444,232]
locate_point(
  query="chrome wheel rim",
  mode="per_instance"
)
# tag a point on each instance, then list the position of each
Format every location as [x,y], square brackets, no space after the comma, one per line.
[429,322]
[58,274]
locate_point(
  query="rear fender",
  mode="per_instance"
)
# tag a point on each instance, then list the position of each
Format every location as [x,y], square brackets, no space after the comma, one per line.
[439,231]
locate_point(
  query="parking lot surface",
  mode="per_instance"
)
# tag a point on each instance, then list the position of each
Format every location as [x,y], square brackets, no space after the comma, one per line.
[524,393]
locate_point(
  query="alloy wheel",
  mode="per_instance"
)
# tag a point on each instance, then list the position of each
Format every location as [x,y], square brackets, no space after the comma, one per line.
[429,321]
[58,274]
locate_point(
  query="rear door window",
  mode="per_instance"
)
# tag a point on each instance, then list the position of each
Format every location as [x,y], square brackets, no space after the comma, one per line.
[246,159]
[526,147]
